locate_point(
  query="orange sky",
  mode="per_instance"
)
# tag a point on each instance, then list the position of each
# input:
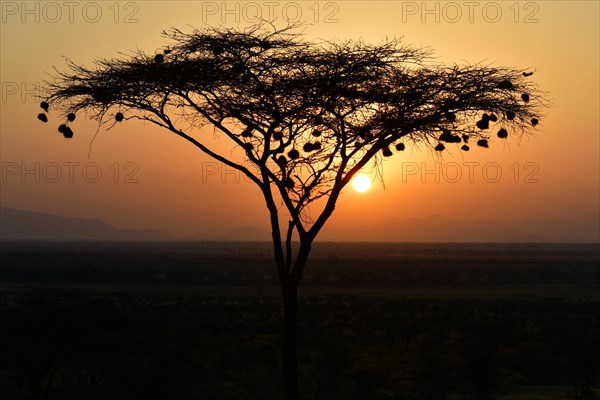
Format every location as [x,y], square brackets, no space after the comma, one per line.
[175,188]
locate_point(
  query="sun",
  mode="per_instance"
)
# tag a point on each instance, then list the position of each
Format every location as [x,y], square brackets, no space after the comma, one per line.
[361,183]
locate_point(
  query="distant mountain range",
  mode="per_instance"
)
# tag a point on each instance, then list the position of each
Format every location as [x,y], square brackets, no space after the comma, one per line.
[439,228]
[20,225]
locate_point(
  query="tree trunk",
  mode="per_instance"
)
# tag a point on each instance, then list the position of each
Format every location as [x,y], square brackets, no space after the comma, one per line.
[288,343]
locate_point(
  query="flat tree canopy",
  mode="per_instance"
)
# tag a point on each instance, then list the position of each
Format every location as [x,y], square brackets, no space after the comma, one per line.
[308,115]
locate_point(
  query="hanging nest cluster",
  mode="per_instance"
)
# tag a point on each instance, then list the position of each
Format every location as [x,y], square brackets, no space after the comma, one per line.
[387,152]
[484,122]
[277,135]
[448,137]
[525,97]
[42,116]
[66,131]
[482,143]
[293,154]
[281,161]
[310,147]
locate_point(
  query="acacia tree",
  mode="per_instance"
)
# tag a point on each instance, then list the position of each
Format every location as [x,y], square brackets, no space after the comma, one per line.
[302,118]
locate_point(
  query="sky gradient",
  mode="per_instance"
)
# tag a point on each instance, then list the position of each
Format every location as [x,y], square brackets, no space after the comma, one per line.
[138,176]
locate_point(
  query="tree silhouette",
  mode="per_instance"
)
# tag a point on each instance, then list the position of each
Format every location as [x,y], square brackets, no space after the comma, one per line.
[302,117]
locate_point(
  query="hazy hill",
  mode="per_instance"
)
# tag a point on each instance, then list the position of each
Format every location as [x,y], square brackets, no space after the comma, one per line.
[439,228]
[20,224]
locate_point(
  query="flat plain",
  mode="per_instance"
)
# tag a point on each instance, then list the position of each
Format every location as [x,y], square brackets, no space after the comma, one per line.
[201,320]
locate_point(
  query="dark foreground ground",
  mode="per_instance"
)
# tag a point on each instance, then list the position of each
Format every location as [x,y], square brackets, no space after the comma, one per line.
[377,321]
